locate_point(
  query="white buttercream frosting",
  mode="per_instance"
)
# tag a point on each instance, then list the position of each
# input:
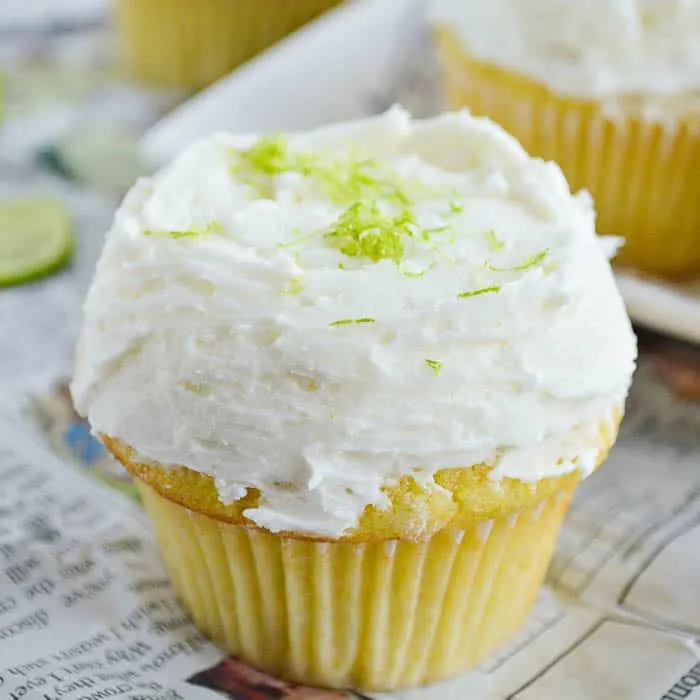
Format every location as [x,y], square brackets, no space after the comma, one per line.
[497,336]
[588,48]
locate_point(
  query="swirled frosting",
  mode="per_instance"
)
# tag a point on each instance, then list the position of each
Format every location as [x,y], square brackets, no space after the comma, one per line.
[588,48]
[319,315]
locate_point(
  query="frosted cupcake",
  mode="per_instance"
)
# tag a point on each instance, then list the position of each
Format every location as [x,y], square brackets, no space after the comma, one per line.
[610,89]
[191,43]
[357,374]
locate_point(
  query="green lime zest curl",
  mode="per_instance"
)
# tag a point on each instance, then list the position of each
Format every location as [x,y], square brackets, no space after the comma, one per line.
[354,180]
[271,155]
[479,292]
[352,321]
[494,240]
[412,275]
[527,264]
[436,229]
[435,365]
[364,231]
[343,181]
[194,232]
[295,286]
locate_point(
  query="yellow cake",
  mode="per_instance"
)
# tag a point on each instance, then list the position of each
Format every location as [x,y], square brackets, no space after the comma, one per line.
[190,43]
[357,375]
[610,91]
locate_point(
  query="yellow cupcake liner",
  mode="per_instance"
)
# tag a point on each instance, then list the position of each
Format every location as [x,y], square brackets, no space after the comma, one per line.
[191,43]
[642,174]
[377,615]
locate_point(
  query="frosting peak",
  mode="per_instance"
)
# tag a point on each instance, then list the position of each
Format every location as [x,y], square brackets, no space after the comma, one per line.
[339,308]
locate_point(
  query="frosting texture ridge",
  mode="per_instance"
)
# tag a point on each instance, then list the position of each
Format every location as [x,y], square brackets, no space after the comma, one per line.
[317,315]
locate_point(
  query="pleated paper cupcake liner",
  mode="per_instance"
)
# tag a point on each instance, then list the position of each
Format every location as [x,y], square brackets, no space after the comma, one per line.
[642,174]
[191,43]
[376,615]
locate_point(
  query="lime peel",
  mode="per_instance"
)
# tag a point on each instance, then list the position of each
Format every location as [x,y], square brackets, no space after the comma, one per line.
[364,231]
[527,264]
[344,181]
[193,232]
[352,321]
[479,292]
[435,365]
[494,240]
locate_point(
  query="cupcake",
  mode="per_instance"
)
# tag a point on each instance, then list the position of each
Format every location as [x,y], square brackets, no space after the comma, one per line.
[357,374]
[608,89]
[191,43]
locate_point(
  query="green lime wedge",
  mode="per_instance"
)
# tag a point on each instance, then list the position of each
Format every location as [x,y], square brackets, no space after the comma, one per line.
[36,237]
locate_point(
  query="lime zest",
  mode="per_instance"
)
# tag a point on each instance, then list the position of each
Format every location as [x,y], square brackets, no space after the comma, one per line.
[352,321]
[436,229]
[527,264]
[298,240]
[456,208]
[294,286]
[193,232]
[413,275]
[479,292]
[351,181]
[494,240]
[343,181]
[271,155]
[435,365]
[364,231]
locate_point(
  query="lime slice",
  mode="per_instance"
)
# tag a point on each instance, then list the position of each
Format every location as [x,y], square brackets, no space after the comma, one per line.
[36,237]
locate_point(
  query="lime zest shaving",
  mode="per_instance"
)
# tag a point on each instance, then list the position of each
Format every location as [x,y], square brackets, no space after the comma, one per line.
[351,181]
[364,231]
[294,286]
[351,321]
[193,232]
[412,275]
[435,365]
[456,208]
[341,266]
[298,239]
[343,181]
[494,240]
[436,229]
[479,292]
[527,264]
[270,155]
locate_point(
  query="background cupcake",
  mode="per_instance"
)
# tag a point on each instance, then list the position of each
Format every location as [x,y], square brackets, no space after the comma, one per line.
[357,374]
[191,43]
[609,90]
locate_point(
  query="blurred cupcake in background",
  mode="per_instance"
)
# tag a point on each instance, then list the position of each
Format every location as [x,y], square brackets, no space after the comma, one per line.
[608,88]
[191,43]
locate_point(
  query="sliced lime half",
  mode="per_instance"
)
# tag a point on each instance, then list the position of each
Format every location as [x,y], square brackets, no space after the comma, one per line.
[36,237]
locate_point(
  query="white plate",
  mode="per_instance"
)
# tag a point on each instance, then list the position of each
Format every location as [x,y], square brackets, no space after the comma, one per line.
[668,308]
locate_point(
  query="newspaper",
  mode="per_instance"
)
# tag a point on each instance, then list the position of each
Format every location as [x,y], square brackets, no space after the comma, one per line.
[87,612]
